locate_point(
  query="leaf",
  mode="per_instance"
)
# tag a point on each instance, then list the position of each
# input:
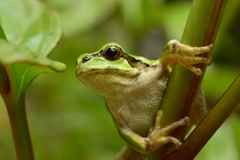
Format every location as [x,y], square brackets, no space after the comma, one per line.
[32,24]
[12,53]
[29,31]
[24,75]
[2,34]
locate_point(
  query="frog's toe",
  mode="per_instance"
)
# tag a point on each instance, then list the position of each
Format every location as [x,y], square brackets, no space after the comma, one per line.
[191,51]
[175,51]
[186,120]
[195,70]
[169,139]
[191,60]
[210,61]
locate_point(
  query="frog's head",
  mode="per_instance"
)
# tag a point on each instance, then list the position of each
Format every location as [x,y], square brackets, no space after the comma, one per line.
[109,68]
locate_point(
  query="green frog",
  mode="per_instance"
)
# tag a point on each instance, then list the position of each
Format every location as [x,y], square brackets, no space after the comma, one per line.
[133,88]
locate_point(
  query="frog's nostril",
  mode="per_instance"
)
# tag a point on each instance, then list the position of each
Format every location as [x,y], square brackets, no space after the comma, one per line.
[85,58]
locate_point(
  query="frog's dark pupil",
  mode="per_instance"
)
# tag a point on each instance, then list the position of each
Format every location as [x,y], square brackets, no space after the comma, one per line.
[111,52]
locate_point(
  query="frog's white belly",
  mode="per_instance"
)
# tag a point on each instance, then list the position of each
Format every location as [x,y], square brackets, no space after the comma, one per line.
[138,112]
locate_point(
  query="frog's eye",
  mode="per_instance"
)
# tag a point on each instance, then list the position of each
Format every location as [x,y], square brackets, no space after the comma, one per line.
[112,53]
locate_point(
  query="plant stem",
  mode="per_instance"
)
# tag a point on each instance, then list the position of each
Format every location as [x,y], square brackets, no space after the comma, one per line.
[215,118]
[200,30]
[17,115]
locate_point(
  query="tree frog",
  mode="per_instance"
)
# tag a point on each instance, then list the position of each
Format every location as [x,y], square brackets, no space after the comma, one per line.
[133,88]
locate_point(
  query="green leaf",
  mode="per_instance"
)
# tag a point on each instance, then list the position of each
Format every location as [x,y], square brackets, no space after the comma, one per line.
[32,24]
[2,34]
[25,74]
[12,53]
[32,31]
[29,31]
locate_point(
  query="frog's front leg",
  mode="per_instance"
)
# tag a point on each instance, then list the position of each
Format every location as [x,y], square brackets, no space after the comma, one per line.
[157,136]
[175,51]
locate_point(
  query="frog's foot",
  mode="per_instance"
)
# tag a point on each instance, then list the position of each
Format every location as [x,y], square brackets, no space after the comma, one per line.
[159,136]
[175,51]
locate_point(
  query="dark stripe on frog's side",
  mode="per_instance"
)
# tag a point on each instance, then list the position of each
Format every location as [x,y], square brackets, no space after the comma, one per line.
[135,63]
[88,57]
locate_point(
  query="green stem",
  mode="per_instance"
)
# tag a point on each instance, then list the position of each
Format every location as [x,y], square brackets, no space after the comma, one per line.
[17,115]
[200,30]
[215,118]
[22,142]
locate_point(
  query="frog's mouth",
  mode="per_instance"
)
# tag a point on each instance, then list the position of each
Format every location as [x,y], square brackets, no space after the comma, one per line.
[134,72]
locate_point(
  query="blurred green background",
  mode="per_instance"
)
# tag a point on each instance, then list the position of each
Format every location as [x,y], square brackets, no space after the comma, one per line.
[69,121]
